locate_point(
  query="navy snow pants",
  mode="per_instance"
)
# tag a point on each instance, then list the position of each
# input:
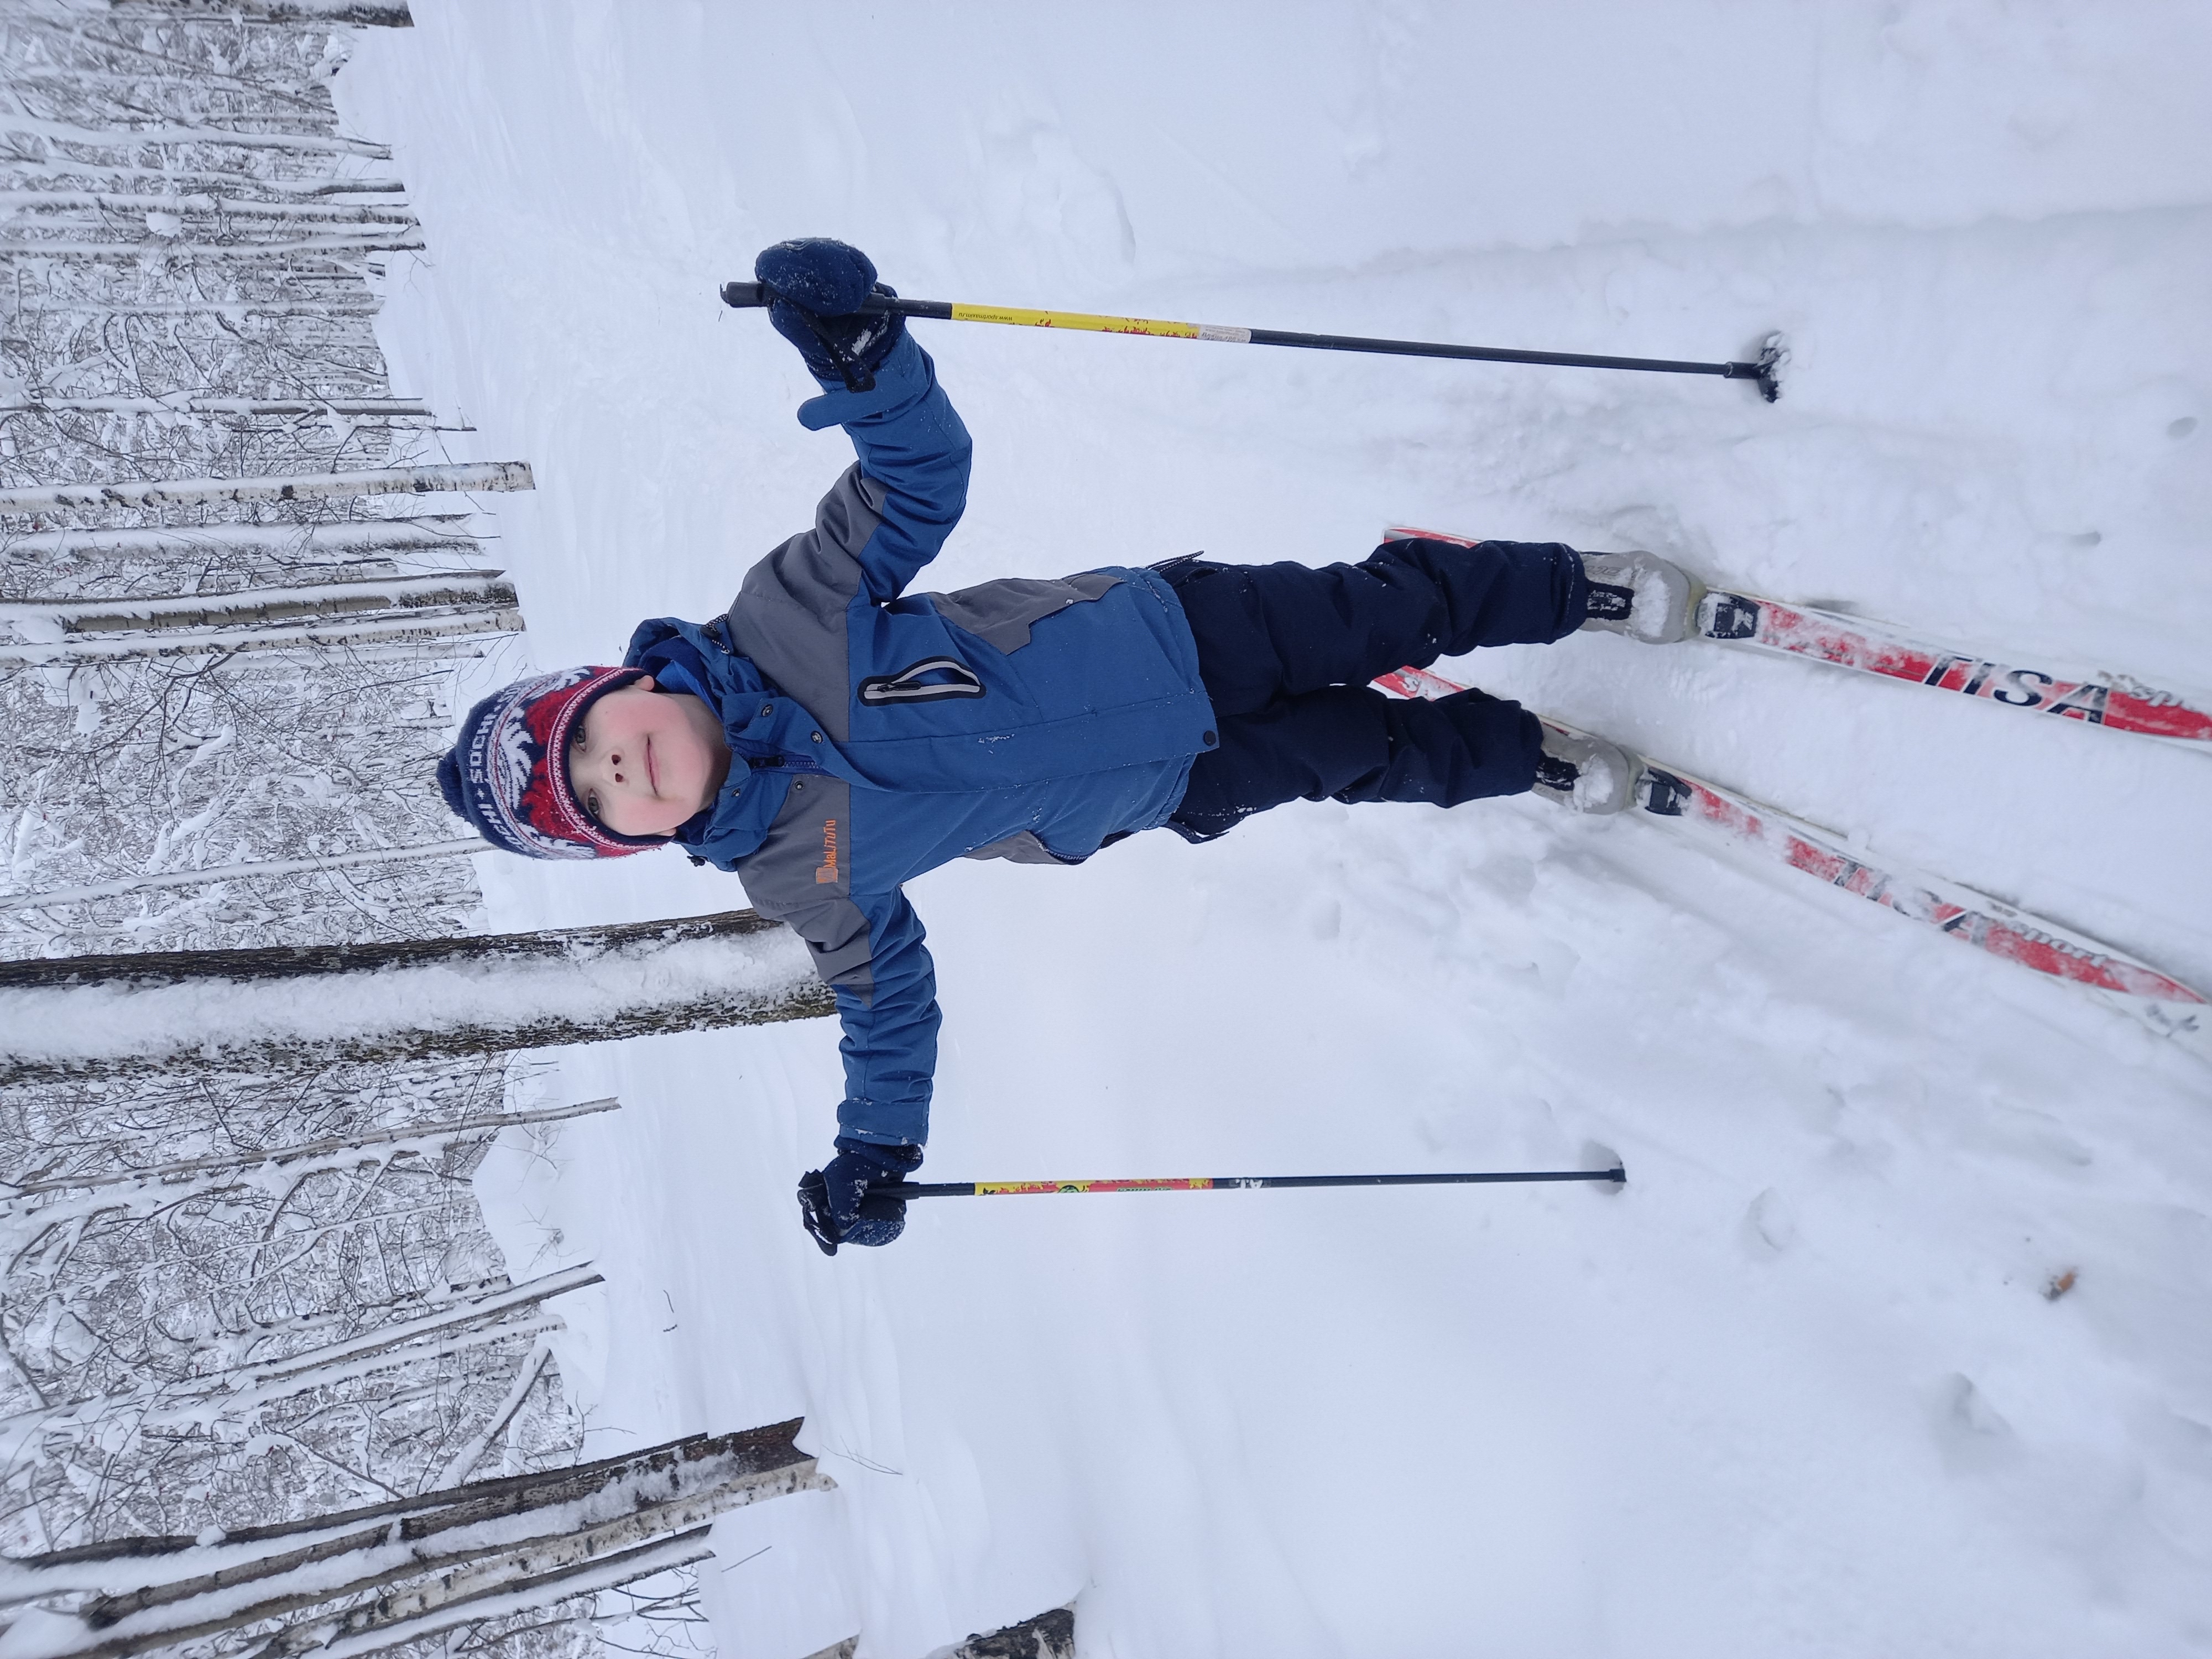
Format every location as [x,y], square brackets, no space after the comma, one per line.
[1287,652]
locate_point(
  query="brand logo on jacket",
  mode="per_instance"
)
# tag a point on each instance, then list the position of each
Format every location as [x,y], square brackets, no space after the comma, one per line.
[826,872]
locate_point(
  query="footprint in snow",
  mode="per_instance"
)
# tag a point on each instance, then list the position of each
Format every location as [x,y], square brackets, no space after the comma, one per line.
[1770,1226]
[1970,1433]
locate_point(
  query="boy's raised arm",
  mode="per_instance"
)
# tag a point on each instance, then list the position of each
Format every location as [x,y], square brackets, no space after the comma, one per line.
[881,388]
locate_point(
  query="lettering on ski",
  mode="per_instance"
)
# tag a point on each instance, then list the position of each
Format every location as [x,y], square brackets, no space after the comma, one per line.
[1875,648]
[2164,1004]
[1789,630]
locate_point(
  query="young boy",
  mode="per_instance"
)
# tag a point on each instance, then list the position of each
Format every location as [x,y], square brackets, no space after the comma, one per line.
[833,735]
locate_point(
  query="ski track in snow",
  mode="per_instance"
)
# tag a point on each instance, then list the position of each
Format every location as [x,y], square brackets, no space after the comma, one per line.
[1798,1387]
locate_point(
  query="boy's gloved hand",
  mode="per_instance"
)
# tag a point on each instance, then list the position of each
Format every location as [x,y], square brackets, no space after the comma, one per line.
[818,285]
[834,1203]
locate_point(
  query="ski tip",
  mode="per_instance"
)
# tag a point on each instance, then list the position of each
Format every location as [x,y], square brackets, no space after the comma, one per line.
[1773,355]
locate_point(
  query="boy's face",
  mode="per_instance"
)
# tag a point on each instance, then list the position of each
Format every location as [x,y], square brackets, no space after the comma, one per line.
[641,761]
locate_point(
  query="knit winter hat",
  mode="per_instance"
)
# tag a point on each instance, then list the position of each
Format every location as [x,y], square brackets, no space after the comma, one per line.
[507,774]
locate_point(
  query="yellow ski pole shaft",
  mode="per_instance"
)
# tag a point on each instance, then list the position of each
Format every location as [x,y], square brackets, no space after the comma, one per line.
[1761,372]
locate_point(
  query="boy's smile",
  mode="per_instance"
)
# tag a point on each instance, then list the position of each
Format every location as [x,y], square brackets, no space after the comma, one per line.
[642,762]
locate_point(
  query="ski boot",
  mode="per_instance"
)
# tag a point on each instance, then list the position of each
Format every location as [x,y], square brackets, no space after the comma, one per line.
[1641,595]
[1583,773]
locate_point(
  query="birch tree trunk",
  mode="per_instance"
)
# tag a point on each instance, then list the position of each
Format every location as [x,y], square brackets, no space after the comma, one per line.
[1047,1636]
[248,607]
[390,408]
[370,1578]
[87,1017]
[119,177]
[417,623]
[369,13]
[177,492]
[165,1178]
[301,543]
[89,207]
[338,244]
[132,137]
[467,847]
[89,308]
[449,604]
[198,1401]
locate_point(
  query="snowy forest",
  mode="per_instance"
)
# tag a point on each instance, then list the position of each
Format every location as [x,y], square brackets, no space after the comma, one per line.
[236,580]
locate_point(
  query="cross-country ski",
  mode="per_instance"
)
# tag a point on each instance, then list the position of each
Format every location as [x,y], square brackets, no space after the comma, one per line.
[2113,701]
[2136,988]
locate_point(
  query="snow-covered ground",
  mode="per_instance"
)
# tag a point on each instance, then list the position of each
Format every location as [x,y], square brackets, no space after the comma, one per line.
[1798,1388]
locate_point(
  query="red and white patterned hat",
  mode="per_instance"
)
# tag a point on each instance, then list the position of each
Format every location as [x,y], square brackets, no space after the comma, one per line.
[507,774]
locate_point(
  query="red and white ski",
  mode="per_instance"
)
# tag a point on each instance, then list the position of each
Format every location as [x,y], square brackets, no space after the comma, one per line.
[2156,999]
[2113,701]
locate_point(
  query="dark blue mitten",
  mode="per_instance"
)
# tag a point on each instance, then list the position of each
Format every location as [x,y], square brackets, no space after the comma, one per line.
[835,1204]
[816,285]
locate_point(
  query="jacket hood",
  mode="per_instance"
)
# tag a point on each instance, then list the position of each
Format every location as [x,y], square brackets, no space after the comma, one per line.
[752,795]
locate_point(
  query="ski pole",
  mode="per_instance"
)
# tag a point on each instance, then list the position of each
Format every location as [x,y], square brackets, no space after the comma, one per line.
[1762,372]
[814,1194]
[1221,1183]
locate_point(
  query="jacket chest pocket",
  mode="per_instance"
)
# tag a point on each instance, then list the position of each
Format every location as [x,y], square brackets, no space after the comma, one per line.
[934,679]
[1022,847]
[1000,613]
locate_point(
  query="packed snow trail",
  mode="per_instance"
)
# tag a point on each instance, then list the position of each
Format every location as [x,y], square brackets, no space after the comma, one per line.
[1803,1385]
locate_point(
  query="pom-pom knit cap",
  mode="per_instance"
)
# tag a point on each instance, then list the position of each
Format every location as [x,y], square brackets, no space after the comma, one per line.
[507,774]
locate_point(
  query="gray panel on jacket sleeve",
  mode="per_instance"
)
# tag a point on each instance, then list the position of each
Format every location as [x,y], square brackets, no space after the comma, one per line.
[789,616]
[1000,613]
[802,874]
[1022,847]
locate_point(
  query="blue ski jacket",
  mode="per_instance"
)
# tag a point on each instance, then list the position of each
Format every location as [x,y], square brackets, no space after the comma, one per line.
[876,733]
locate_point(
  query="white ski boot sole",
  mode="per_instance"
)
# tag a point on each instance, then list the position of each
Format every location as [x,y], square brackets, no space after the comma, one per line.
[1605,773]
[1663,602]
